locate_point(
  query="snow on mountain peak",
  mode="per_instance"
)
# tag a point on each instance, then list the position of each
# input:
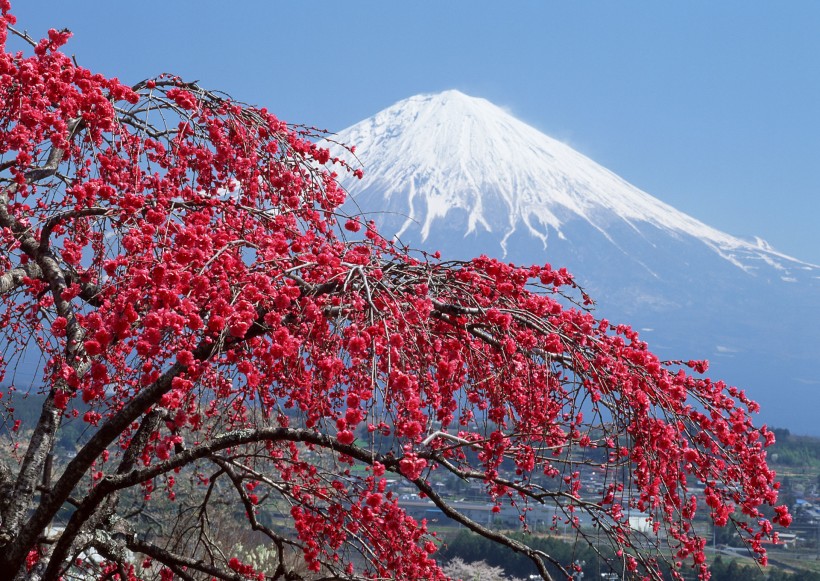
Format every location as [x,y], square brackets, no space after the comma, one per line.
[433,154]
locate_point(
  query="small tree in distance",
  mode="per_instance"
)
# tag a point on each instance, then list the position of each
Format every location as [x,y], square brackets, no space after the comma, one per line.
[478,571]
[251,363]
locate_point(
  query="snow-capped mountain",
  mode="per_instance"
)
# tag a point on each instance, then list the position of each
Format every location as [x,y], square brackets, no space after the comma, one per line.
[431,157]
[458,174]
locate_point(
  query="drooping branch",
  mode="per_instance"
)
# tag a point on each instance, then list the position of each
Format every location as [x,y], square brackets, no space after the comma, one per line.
[537,557]
[52,222]
[179,564]
[110,484]
[56,155]
[278,540]
[114,483]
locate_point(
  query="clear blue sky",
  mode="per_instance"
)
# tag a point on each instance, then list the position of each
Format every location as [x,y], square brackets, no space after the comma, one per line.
[713,107]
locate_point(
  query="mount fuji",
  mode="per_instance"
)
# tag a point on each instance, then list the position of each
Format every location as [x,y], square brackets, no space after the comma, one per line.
[458,174]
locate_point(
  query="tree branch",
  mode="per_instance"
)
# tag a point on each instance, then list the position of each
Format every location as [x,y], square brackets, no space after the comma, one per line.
[55,155]
[111,484]
[178,562]
[535,556]
[13,278]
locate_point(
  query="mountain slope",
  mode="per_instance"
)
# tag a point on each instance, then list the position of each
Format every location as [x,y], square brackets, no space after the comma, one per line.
[458,174]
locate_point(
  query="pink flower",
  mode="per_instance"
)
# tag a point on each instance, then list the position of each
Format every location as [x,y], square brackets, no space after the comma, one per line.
[185,358]
[345,437]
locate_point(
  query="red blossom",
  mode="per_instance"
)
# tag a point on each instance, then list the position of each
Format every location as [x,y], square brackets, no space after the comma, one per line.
[346,437]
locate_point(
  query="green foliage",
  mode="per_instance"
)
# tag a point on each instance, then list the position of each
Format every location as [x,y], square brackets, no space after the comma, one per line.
[731,570]
[791,450]
[472,548]
[27,408]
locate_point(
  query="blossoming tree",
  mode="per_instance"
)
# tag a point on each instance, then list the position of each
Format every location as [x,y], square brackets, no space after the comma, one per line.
[178,268]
